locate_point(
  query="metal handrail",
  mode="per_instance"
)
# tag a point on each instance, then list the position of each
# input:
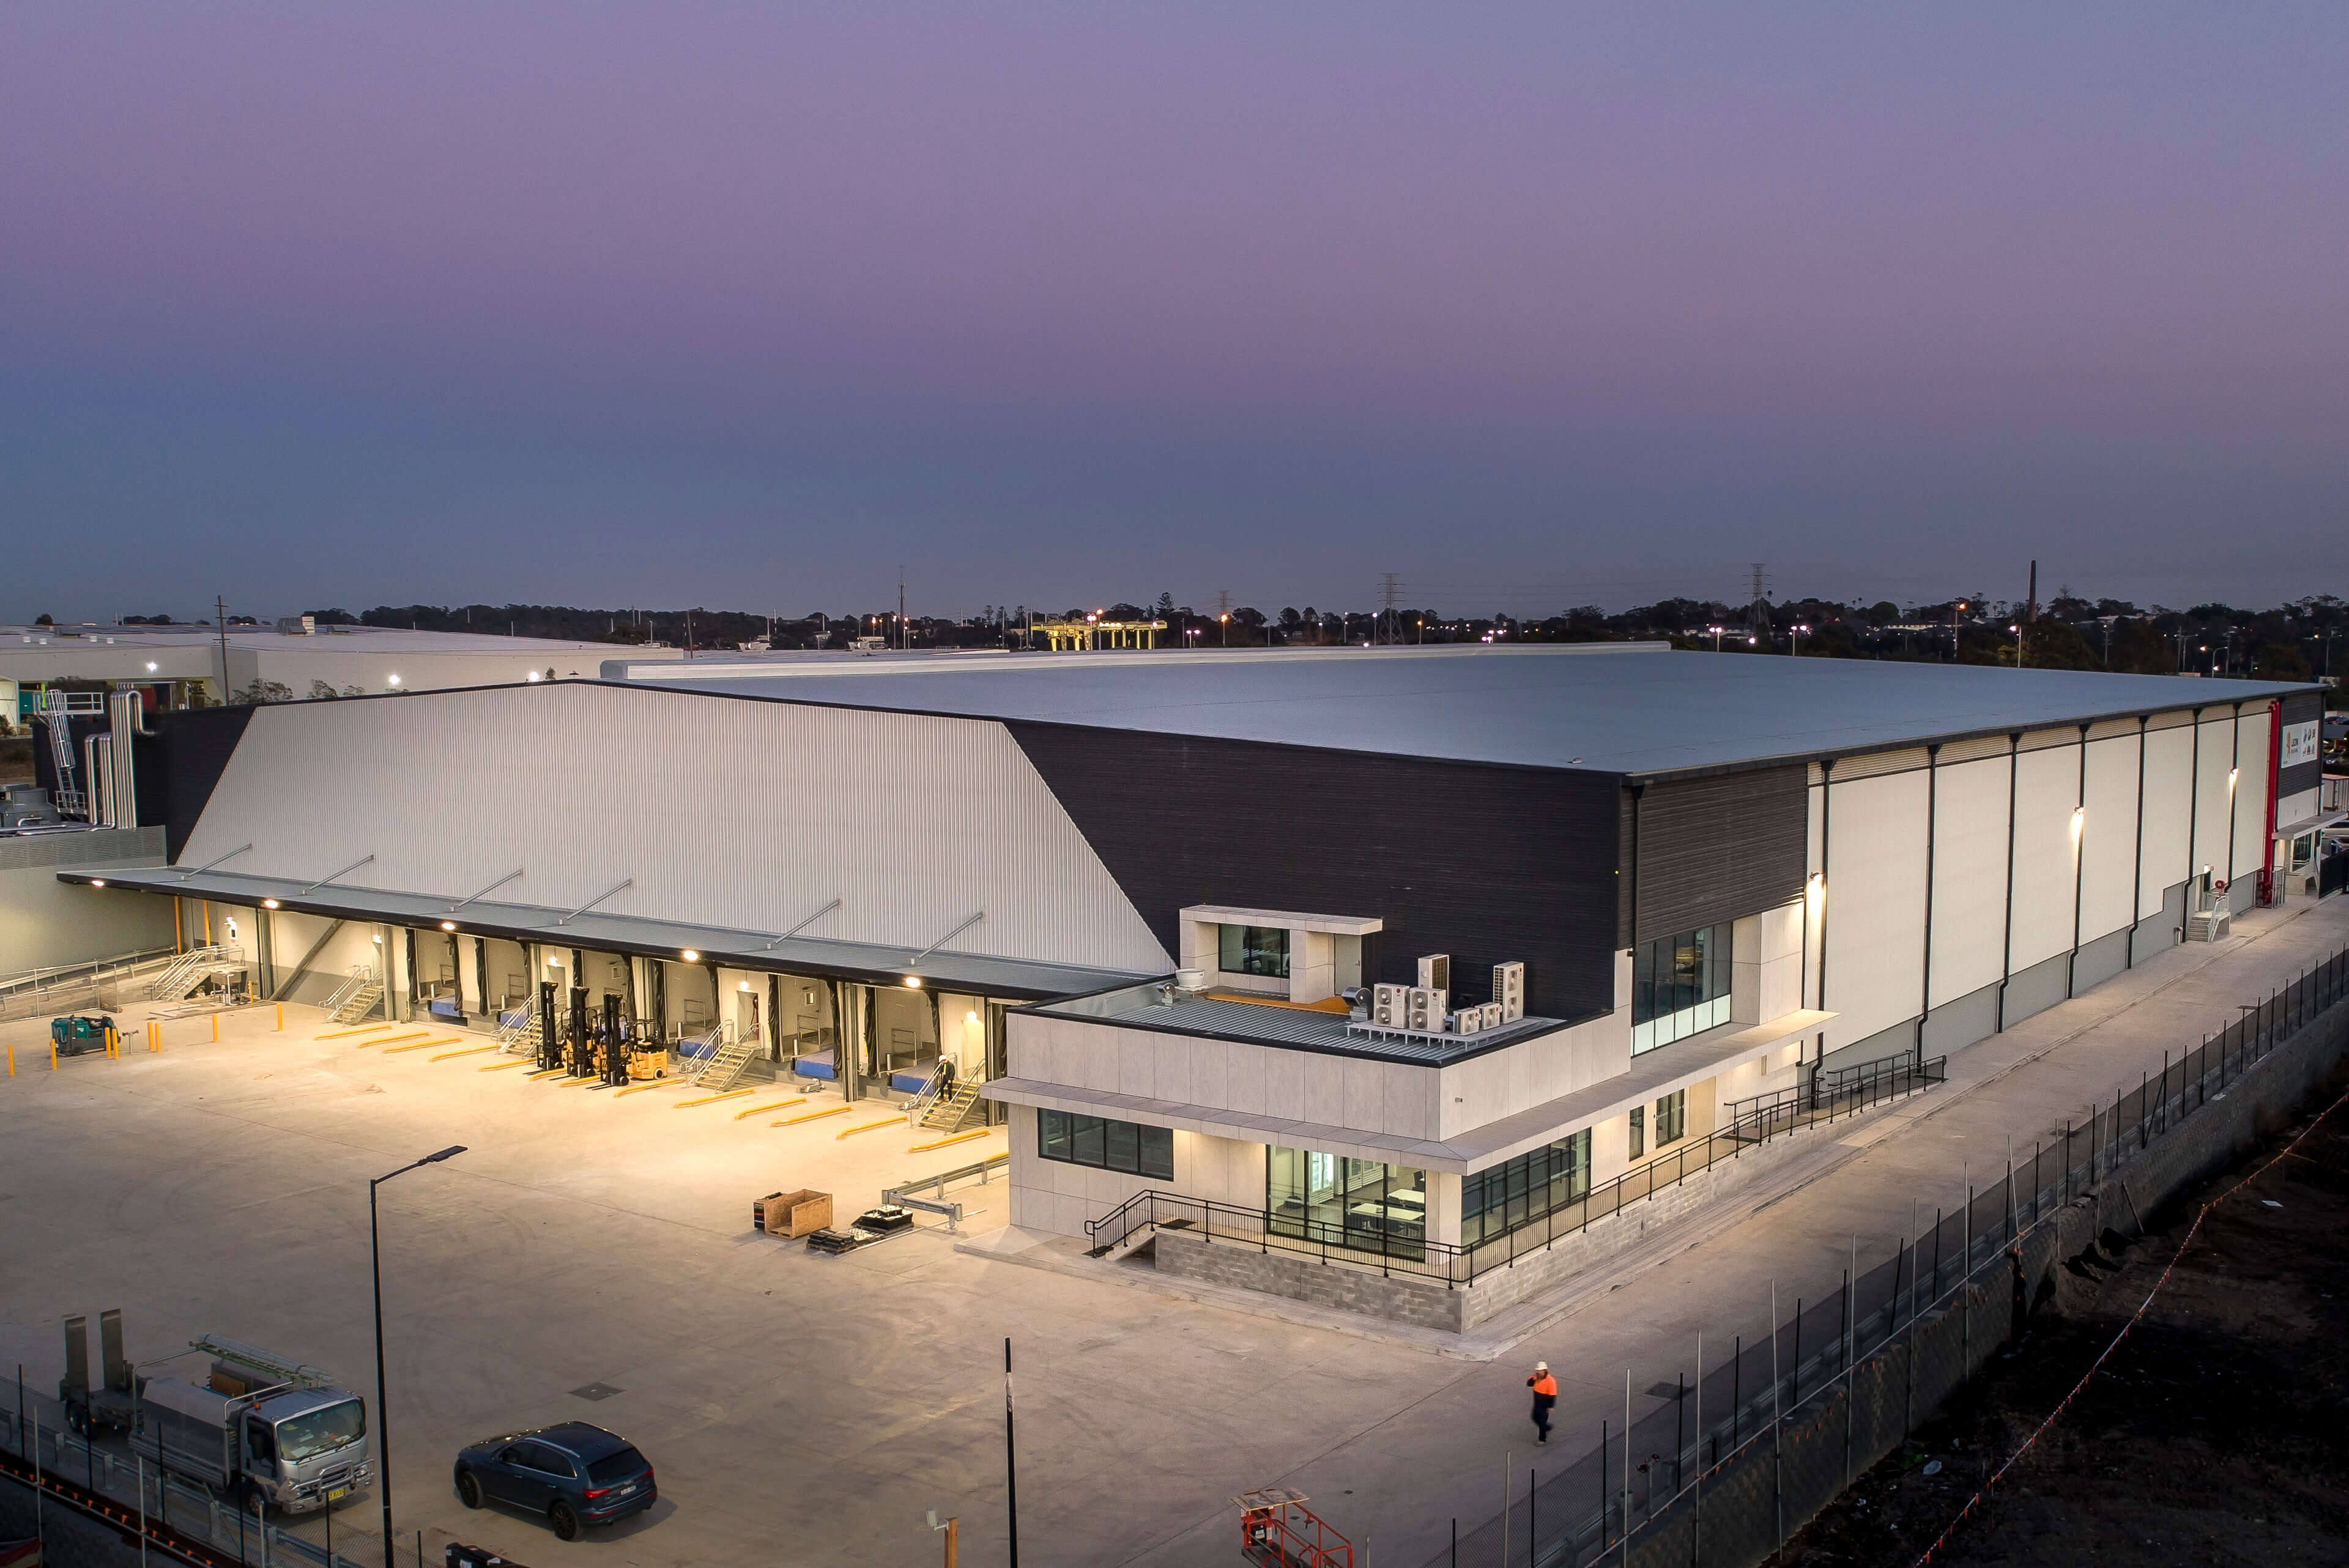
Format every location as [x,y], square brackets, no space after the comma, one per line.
[1464,1265]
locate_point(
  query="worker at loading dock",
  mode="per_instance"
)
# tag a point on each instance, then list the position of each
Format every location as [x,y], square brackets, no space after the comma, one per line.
[1545,1388]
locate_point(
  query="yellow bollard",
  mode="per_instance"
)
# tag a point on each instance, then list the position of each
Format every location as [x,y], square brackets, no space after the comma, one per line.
[53,1056]
[215,1026]
[281,1017]
[12,1059]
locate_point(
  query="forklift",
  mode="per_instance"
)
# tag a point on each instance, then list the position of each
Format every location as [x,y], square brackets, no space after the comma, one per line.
[550,1044]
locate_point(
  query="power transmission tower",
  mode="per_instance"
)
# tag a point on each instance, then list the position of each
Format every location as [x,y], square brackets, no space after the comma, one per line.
[904,634]
[1757,602]
[1390,603]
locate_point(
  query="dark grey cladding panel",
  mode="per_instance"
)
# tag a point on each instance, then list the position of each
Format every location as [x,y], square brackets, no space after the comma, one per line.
[2300,707]
[1489,864]
[180,764]
[1711,849]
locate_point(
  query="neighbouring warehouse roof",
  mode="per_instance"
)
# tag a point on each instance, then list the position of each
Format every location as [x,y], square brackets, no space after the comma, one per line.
[1637,709]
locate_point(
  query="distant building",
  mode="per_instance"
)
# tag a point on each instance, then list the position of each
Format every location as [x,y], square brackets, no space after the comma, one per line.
[179,667]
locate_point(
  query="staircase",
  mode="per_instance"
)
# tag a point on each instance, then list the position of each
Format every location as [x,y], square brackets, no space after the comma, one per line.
[357,996]
[518,1031]
[947,1113]
[725,1064]
[2209,924]
[181,977]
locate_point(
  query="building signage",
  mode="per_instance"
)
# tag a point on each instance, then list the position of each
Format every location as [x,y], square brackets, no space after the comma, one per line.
[2299,743]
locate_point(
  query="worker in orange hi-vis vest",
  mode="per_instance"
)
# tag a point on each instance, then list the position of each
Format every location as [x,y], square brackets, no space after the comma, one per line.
[1545,1388]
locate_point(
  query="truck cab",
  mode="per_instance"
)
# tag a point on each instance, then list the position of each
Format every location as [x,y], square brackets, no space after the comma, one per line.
[294,1446]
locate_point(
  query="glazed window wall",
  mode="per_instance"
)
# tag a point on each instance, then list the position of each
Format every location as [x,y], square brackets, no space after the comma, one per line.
[1527,1188]
[1254,950]
[1361,1205]
[1679,987]
[1106,1145]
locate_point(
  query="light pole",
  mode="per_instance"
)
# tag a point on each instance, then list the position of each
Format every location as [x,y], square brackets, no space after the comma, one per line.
[2017,630]
[382,1418]
[1716,632]
[1799,630]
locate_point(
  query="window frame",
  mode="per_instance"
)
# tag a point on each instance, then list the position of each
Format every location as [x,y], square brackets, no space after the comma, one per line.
[1247,950]
[1107,1140]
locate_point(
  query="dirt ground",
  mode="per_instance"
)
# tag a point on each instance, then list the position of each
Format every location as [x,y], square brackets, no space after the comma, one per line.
[2213,1435]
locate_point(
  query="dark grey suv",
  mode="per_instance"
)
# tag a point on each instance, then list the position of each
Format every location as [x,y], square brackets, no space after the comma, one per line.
[572,1476]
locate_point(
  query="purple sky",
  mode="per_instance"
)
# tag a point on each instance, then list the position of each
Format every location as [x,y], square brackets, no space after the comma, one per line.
[744,305]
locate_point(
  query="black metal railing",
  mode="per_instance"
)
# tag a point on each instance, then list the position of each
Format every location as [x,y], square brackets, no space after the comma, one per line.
[1757,1122]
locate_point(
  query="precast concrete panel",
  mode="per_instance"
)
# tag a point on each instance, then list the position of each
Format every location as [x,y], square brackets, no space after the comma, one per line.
[2047,787]
[1969,876]
[2168,806]
[746,815]
[1875,904]
[2108,838]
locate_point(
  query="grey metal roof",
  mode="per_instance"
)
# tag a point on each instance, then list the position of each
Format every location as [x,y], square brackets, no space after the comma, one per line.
[1636,709]
[1302,1029]
[977,974]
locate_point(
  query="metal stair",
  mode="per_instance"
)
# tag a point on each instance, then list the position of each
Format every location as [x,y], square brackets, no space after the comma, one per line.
[947,1113]
[357,996]
[518,1032]
[180,978]
[725,1064]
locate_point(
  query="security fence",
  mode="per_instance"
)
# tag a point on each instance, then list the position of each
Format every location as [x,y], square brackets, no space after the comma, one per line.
[1720,1465]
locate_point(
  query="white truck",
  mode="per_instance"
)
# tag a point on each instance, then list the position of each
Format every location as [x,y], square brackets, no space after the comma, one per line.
[263,1430]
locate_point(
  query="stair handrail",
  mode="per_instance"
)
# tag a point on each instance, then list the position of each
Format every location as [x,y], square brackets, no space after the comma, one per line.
[927,1095]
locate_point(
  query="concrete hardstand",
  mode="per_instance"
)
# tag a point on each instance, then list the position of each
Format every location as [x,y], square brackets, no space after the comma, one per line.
[808,1409]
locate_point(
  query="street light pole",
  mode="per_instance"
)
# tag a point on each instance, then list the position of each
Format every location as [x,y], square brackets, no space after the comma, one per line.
[382,1418]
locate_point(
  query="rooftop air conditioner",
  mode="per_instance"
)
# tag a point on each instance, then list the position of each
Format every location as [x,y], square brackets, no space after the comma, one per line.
[1391,1006]
[1509,990]
[1427,1008]
[1436,971]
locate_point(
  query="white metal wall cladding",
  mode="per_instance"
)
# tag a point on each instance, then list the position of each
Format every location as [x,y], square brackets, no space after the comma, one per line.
[748,815]
[1875,921]
[2108,847]
[2046,788]
[2168,754]
[2252,794]
[1969,877]
[2210,822]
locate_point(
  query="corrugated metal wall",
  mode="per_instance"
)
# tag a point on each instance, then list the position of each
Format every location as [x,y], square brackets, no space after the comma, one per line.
[729,812]
[1711,849]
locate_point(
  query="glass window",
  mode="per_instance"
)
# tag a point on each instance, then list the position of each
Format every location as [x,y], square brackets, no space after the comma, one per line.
[1255,950]
[1679,987]
[1639,1131]
[1106,1145]
[302,1436]
[1671,1117]
[1362,1204]
[1524,1189]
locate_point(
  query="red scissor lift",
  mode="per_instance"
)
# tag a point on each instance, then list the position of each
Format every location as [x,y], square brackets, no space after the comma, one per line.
[1278,1530]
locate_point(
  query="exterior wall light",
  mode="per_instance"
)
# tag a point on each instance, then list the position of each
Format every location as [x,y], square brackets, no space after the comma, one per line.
[533,676]
[913,981]
[2232,773]
[150,666]
[394,680]
[691,957]
[2079,821]
[269,903]
[448,926]
[378,939]
[98,882]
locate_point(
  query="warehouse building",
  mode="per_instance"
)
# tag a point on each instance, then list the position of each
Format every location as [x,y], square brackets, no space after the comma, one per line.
[296,658]
[1391,954]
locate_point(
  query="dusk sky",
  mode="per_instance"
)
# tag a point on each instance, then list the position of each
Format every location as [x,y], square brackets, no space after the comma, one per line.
[743,306]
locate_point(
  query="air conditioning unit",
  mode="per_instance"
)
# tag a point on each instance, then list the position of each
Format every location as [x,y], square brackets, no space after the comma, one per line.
[1436,971]
[1427,1006]
[1467,1021]
[1495,1014]
[1391,1006]
[1509,990]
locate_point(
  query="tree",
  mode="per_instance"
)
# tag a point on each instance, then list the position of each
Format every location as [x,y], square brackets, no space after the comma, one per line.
[44,619]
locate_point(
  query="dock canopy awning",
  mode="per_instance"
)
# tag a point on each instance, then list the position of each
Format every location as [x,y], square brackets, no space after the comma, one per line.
[975,974]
